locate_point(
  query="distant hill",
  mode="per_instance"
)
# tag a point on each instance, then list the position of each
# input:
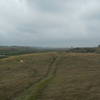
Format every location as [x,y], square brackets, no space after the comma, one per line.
[6,51]
[17,50]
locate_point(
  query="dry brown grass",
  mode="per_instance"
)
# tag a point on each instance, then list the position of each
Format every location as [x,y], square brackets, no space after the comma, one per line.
[16,77]
[77,77]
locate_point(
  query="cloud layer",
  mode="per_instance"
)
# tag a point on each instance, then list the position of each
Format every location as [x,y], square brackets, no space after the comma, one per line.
[54,23]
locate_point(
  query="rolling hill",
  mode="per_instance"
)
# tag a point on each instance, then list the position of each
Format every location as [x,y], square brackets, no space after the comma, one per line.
[50,76]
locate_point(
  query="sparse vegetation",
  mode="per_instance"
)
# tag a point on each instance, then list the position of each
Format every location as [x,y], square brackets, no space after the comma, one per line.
[50,76]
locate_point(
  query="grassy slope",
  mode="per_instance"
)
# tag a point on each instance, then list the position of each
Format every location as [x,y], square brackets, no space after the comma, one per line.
[16,77]
[50,76]
[77,78]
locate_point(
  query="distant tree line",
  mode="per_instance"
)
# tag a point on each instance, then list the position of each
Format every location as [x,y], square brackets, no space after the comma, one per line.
[85,50]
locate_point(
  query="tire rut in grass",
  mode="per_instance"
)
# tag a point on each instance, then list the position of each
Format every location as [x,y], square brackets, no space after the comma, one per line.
[40,84]
[44,83]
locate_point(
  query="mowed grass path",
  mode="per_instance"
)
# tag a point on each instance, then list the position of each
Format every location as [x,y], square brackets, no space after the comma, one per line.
[50,76]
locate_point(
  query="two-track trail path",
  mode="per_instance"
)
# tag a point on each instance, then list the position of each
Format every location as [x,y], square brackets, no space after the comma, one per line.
[35,90]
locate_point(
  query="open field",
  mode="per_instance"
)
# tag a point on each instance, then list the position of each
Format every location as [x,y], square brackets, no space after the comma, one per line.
[50,76]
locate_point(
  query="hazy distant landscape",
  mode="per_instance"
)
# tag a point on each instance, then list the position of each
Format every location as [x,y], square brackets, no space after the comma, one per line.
[6,51]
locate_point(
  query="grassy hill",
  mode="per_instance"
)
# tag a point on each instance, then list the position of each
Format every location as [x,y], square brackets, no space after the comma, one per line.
[50,76]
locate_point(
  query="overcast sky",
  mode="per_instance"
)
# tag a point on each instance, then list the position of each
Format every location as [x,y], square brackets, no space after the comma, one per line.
[50,23]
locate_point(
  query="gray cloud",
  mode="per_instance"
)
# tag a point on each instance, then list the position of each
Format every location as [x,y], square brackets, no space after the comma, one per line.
[58,23]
